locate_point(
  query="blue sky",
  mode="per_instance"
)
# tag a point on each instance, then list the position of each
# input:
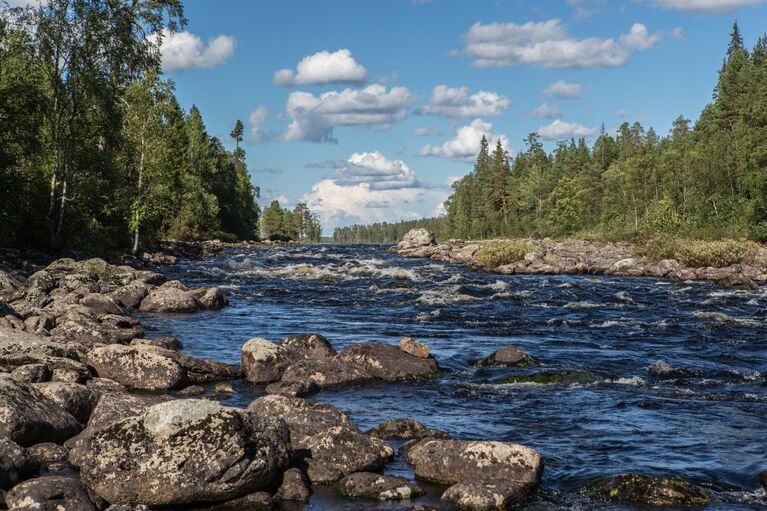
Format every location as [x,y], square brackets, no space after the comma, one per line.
[391,97]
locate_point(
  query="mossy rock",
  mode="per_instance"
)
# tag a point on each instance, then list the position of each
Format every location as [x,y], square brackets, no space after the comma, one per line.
[506,356]
[554,378]
[647,490]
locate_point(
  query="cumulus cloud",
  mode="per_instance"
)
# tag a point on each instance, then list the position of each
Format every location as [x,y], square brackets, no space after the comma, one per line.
[544,111]
[322,68]
[314,117]
[465,145]
[559,130]
[548,44]
[563,90]
[456,102]
[428,131]
[707,6]
[184,50]
[256,121]
[369,187]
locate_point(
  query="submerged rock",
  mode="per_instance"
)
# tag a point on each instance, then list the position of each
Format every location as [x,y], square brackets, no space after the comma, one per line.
[398,429]
[368,485]
[555,378]
[388,362]
[506,356]
[183,452]
[647,490]
[492,495]
[53,493]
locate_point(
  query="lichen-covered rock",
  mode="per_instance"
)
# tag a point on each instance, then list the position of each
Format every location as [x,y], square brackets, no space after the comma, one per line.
[329,443]
[371,486]
[115,406]
[130,296]
[165,342]
[31,373]
[495,495]
[262,361]
[76,399]
[54,493]
[16,464]
[49,455]
[292,388]
[454,461]
[27,417]
[506,356]
[137,367]
[417,238]
[257,501]
[325,373]
[169,298]
[308,346]
[647,490]
[210,298]
[388,362]
[413,347]
[294,487]
[183,452]
[398,429]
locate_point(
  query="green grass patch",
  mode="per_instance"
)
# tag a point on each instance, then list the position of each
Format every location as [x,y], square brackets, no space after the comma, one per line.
[498,253]
[699,253]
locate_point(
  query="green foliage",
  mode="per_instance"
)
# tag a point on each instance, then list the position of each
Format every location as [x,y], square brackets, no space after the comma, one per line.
[385,232]
[500,253]
[699,253]
[661,218]
[278,223]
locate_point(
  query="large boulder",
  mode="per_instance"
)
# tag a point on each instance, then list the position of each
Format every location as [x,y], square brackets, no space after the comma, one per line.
[168,298]
[115,406]
[137,367]
[54,493]
[371,486]
[262,361]
[27,417]
[453,461]
[183,452]
[506,356]
[325,373]
[308,346]
[324,438]
[495,495]
[417,238]
[16,464]
[76,399]
[210,298]
[388,362]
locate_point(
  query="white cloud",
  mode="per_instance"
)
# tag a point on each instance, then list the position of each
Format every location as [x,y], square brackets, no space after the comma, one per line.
[323,68]
[563,90]
[370,187]
[707,6]
[548,44]
[677,33]
[184,50]
[544,111]
[314,117]
[256,120]
[559,130]
[456,102]
[465,145]
[428,131]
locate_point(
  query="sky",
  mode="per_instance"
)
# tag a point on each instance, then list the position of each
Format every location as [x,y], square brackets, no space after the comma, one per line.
[369,110]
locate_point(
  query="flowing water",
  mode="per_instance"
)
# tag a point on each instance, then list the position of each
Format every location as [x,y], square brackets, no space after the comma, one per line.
[706,419]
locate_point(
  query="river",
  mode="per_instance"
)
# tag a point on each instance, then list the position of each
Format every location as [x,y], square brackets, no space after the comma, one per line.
[706,419]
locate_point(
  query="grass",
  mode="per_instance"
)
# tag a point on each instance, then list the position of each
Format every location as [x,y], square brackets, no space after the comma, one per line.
[496,253]
[699,253]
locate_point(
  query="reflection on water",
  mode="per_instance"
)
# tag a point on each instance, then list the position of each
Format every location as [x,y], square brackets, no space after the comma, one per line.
[701,414]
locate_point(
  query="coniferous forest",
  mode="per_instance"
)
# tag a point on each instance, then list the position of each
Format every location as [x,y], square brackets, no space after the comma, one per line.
[704,179]
[95,151]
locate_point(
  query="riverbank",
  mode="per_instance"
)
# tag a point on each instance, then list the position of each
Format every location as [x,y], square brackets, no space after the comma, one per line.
[576,257]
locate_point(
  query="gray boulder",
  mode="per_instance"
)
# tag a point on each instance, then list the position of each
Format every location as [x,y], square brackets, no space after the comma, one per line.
[506,356]
[183,452]
[398,429]
[325,373]
[137,367]
[116,406]
[169,298]
[495,495]
[417,238]
[16,464]
[294,487]
[76,399]
[388,362]
[371,486]
[55,493]
[262,361]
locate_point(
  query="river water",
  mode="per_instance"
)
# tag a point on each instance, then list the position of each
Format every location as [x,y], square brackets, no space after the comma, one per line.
[705,420]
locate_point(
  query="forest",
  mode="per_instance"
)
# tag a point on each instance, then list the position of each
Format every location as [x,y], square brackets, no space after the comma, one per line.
[704,180]
[95,151]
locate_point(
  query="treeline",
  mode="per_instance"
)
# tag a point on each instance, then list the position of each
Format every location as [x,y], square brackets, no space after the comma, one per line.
[707,180]
[95,151]
[388,232]
[299,224]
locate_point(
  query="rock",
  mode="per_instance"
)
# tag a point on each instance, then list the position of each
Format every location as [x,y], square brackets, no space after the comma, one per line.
[100,386]
[294,487]
[506,356]
[368,485]
[114,407]
[16,464]
[210,298]
[763,479]
[31,373]
[168,343]
[647,490]
[76,399]
[223,388]
[493,495]
[416,238]
[131,295]
[330,445]
[555,378]
[258,501]
[137,367]
[27,417]
[413,347]
[454,461]
[325,373]
[183,452]
[388,362]
[292,388]
[199,370]
[101,304]
[50,456]
[54,493]
[262,361]
[191,391]
[169,299]
[399,429]
[309,347]
[662,369]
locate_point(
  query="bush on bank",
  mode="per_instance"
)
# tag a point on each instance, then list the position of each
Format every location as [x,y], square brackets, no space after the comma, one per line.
[497,253]
[700,253]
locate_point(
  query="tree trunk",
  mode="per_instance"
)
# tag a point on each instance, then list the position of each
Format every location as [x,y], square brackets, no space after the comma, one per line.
[136,213]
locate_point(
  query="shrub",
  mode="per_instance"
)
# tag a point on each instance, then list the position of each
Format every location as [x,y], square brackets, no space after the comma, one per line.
[499,253]
[716,253]
[657,248]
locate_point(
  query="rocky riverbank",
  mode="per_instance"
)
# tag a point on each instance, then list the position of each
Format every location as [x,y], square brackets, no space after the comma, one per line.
[578,257]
